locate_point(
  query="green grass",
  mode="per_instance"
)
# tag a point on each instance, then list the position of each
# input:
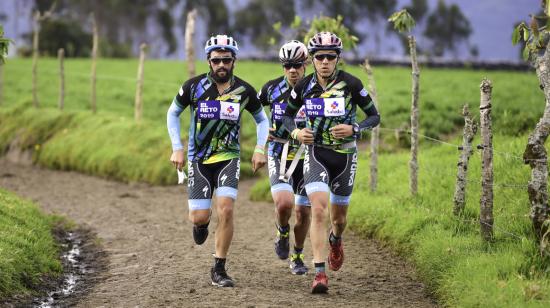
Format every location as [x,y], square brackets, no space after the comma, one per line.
[448,251]
[27,249]
[517,102]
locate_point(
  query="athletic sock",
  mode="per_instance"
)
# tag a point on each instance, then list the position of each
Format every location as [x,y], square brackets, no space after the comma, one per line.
[319,267]
[219,264]
[333,239]
[298,250]
[284,229]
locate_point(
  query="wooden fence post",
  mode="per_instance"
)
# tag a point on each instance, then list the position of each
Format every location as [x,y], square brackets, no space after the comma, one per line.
[375,136]
[138,106]
[413,164]
[61,56]
[189,43]
[1,83]
[95,39]
[486,202]
[470,129]
[35,37]
[536,156]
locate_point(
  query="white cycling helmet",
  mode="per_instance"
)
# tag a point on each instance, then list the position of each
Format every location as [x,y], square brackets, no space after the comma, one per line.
[221,42]
[293,52]
[324,41]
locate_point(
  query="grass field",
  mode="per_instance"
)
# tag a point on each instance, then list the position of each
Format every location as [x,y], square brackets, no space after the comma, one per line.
[27,249]
[447,251]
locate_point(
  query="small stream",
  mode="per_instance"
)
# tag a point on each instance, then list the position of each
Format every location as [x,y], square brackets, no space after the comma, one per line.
[74,271]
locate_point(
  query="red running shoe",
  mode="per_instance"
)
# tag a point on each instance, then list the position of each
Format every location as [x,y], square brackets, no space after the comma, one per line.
[336,255]
[320,283]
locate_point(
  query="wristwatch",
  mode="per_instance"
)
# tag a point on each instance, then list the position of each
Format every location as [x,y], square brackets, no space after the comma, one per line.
[356,130]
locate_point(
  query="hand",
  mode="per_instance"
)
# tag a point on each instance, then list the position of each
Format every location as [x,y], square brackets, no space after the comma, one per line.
[270,136]
[341,131]
[178,159]
[258,161]
[305,136]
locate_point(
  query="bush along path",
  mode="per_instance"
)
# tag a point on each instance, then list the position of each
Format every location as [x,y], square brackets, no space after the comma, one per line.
[153,261]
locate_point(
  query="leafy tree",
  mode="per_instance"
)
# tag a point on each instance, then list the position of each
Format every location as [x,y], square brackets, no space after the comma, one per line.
[4,44]
[446,28]
[258,17]
[353,11]
[120,21]
[66,34]
[214,12]
[334,25]
[537,51]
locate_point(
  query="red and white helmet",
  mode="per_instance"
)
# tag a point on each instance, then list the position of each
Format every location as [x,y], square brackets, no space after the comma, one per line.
[221,42]
[293,52]
[324,41]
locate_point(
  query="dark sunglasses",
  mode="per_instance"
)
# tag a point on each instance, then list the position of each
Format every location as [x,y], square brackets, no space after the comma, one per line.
[224,60]
[293,65]
[327,56]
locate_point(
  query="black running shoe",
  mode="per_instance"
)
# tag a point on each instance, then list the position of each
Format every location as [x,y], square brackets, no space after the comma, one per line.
[220,278]
[282,245]
[297,265]
[200,233]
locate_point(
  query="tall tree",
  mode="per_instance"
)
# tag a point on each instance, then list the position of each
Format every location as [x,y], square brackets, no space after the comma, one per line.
[418,9]
[213,12]
[446,28]
[257,18]
[355,11]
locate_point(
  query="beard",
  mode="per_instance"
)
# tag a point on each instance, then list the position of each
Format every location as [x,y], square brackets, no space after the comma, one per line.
[217,74]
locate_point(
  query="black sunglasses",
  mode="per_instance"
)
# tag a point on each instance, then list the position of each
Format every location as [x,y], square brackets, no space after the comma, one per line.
[293,65]
[324,56]
[226,60]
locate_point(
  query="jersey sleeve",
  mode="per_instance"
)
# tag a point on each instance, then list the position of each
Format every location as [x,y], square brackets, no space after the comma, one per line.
[362,98]
[253,105]
[295,100]
[262,95]
[183,98]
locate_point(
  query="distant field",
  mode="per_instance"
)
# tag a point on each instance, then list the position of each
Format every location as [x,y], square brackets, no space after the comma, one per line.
[517,102]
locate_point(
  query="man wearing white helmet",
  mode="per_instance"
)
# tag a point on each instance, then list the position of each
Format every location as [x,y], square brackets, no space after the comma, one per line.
[217,100]
[331,98]
[287,184]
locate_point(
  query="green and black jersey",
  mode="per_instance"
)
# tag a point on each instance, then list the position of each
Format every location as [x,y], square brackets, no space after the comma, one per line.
[275,94]
[330,106]
[215,118]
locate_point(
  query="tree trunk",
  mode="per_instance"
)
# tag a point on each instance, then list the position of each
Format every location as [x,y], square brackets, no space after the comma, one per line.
[61,56]
[375,136]
[413,164]
[486,202]
[139,88]
[95,39]
[535,153]
[36,30]
[189,43]
[470,129]
[1,83]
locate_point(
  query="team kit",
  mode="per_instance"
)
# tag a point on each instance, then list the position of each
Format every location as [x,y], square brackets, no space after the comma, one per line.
[308,143]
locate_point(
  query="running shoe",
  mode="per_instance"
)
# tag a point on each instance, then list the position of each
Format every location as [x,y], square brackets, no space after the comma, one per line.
[220,278]
[320,283]
[282,245]
[297,265]
[336,255]
[200,233]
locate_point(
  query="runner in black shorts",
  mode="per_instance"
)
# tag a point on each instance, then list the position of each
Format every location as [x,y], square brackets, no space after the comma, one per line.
[287,187]
[217,101]
[331,98]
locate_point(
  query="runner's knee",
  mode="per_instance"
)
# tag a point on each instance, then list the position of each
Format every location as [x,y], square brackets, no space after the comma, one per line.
[199,217]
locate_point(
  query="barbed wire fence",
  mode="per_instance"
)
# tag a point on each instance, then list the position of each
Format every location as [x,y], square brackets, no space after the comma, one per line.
[502,187]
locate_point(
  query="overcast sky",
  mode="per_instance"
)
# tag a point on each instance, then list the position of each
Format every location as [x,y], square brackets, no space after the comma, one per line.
[492,22]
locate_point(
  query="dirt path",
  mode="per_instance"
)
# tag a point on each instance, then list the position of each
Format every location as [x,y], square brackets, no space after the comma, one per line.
[154,262]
